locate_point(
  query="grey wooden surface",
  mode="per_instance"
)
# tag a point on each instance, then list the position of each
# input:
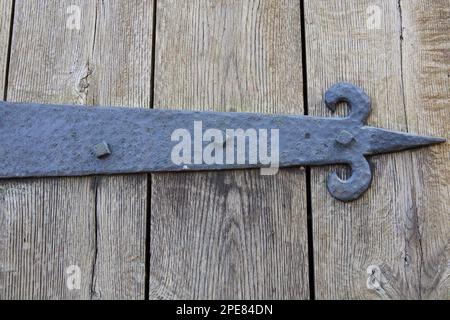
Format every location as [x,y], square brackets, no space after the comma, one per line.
[397,235]
[231,234]
[95,223]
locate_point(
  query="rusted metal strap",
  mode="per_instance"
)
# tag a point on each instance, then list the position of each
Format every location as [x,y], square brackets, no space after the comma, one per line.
[58,140]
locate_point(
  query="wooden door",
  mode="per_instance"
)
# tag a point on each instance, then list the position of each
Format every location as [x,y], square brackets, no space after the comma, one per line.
[234,234]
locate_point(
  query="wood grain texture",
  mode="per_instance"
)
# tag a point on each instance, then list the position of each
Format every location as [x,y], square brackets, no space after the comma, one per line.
[5,25]
[47,224]
[97,224]
[119,73]
[426,74]
[375,247]
[229,234]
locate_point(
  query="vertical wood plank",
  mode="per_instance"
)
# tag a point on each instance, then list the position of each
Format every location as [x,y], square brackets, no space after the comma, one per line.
[120,74]
[97,224]
[374,247]
[48,225]
[229,234]
[426,76]
[5,24]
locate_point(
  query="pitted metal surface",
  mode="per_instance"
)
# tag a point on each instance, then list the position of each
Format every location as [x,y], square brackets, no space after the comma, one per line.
[58,140]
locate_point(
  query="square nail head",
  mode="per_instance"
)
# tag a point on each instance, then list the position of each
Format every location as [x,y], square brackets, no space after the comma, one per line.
[345,138]
[102,150]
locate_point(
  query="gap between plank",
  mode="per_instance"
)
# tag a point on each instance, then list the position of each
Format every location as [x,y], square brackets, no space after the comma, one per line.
[149,176]
[8,58]
[312,294]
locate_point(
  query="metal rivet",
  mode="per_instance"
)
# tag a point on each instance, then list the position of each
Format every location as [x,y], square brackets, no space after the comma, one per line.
[344,138]
[102,150]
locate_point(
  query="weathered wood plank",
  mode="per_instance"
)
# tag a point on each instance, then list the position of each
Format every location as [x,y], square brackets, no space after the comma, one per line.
[97,224]
[229,234]
[120,74]
[378,240]
[426,74]
[45,231]
[5,24]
